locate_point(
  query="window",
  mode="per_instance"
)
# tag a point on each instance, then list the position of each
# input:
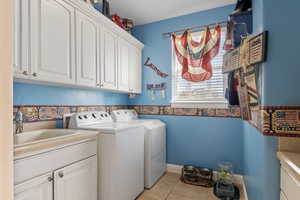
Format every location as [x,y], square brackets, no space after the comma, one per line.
[209,93]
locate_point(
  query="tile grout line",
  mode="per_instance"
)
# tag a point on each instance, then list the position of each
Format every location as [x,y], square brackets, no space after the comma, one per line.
[172,190]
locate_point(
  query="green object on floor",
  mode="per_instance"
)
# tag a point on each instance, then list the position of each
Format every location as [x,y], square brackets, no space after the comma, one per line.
[224,192]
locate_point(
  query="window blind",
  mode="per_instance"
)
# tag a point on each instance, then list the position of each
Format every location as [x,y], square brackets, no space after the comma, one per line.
[209,93]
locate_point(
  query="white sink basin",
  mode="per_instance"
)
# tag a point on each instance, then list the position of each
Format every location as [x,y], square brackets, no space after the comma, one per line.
[43,135]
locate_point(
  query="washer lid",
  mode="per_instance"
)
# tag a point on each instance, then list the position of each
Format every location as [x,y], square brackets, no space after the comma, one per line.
[109,127]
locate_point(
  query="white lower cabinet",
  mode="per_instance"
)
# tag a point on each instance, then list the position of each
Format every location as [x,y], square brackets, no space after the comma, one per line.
[77,181]
[68,173]
[289,184]
[39,188]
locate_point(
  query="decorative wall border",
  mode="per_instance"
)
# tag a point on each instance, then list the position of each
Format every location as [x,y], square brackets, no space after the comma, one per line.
[34,113]
[231,112]
[281,121]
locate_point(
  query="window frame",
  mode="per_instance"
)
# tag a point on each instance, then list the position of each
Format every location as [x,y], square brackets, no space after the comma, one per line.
[193,104]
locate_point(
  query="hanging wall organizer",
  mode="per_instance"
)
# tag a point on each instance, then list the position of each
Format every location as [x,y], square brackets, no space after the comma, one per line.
[157,88]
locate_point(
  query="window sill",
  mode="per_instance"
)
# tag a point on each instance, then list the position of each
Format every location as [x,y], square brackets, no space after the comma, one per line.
[220,105]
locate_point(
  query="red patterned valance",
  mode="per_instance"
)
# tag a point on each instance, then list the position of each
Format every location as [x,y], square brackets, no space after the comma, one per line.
[195,57]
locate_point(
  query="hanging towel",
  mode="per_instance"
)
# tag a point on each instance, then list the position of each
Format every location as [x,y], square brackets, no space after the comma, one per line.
[228,45]
[231,92]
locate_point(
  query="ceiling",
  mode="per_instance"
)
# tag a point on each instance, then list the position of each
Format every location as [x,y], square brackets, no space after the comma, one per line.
[147,11]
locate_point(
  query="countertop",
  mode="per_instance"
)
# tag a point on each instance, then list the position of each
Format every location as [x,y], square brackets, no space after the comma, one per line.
[292,160]
[54,143]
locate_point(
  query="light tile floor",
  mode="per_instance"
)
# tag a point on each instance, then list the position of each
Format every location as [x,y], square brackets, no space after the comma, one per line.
[169,187]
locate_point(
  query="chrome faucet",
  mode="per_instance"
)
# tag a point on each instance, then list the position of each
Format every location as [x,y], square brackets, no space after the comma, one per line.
[19,121]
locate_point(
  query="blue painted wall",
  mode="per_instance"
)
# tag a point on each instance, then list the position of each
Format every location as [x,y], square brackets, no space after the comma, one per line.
[158,48]
[31,94]
[190,140]
[204,141]
[280,77]
[261,167]
[281,72]
[253,154]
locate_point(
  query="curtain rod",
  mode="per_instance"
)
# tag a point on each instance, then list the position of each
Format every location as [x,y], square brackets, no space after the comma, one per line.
[194,27]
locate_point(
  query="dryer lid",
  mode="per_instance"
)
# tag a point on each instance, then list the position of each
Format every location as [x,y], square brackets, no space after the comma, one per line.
[109,127]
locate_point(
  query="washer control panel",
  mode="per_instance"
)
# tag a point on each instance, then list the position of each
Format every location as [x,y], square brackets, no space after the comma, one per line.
[89,118]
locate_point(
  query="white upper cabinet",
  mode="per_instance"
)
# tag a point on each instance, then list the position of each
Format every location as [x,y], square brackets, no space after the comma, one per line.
[135,70]
[123,65]
[21,42]
[69,43]
[87,47]
[39,188]
[109,65]
[53,41]
[77,181]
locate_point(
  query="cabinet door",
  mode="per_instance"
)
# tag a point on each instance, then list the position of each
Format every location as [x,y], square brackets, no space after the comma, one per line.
[21,41]
[77,181]
[40,188]
[53,41]
[109,64]
[135,70]
[123,65]
[87,49]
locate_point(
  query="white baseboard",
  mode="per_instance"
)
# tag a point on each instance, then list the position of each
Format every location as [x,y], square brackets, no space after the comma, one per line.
[174,168]
[245,191]
[238,179]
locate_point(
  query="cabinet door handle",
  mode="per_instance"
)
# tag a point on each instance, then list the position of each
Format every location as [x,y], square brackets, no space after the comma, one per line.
[61,174]
[25,73]
[34,74]
[50,179]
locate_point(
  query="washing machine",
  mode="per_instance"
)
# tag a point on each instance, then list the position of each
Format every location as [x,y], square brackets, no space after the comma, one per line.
[120,155]
[155,143]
